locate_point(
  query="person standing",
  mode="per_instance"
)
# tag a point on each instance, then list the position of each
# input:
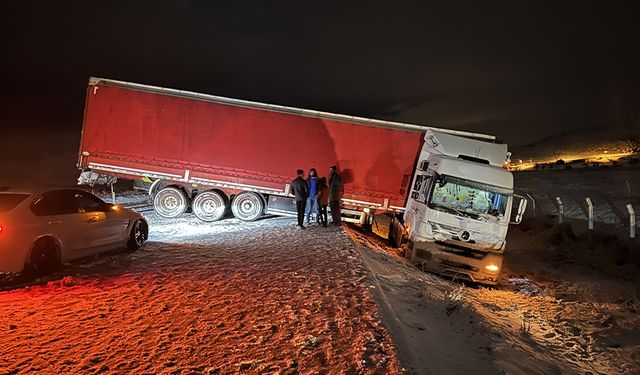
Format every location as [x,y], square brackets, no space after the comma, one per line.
[312,200]
[335,193]
[323,200]
[300,190]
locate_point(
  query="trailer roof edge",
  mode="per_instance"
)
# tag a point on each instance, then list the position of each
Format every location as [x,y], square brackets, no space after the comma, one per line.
[285,109]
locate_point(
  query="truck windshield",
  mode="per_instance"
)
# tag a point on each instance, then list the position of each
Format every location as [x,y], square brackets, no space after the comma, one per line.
[465,198]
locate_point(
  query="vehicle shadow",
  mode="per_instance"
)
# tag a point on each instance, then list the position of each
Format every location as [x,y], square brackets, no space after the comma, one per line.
[102,267]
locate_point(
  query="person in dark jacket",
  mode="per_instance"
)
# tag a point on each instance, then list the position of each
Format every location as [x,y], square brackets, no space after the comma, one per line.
[335,193]
[312,200]
[323,200]
[300,190]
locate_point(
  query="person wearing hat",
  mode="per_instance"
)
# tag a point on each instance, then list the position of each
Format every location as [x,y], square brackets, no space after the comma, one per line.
[300,190]
[335,193]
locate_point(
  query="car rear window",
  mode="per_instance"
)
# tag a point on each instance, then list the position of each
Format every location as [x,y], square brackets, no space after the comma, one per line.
[8,201]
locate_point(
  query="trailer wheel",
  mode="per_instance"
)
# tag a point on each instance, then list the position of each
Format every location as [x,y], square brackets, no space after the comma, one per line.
[170,202]
[247,206]
[209,206]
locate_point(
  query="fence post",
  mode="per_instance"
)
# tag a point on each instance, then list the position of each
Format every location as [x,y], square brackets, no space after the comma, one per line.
[632,221]
[590,212]
[533,204]
[560,211]
[113,195]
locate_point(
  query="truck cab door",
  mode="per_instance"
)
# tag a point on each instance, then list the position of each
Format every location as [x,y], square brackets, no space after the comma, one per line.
[418,197]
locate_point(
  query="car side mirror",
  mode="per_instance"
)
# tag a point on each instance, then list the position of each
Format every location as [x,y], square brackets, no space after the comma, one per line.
[522,207]
[108,207]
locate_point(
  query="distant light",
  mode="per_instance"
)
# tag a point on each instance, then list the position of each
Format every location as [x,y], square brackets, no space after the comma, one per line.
[115,207]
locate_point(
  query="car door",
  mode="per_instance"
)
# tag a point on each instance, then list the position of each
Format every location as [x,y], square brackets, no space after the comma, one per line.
[104,226]
[56,214]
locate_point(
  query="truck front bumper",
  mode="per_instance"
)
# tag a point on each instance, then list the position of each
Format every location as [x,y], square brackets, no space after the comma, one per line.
[477,267]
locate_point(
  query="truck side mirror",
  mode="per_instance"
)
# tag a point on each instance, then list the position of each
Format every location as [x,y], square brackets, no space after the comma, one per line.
[522,207]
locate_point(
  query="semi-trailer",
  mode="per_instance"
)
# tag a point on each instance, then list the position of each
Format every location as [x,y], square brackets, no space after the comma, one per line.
[446,190]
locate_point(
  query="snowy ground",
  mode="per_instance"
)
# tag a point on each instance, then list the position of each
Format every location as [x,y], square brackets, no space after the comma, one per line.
[263,297]
[610,190]
[217,298]
[554,312]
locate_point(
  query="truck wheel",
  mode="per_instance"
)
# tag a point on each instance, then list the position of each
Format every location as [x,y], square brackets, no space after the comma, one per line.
[170,202]
[209,206]
[247,206]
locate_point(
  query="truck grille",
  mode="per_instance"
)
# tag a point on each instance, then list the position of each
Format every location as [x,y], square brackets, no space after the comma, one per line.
[459,265]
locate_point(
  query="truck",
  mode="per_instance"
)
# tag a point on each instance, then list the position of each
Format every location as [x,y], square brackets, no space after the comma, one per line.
[444,192]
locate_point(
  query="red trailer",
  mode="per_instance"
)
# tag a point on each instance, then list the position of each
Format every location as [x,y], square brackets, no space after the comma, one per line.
[207,152]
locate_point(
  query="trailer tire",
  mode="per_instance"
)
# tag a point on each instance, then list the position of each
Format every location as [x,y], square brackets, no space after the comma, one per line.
[247,206]
[209,206]
[170,202]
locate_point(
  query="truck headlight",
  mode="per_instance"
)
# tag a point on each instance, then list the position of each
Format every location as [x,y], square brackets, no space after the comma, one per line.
[492,268]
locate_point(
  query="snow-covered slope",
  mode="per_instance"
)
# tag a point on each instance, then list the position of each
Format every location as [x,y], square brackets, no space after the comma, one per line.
[603,141]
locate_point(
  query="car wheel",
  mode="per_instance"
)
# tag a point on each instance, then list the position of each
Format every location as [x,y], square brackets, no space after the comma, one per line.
[44,257]
[139,234]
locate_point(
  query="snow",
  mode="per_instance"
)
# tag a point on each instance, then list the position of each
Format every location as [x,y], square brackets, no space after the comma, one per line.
[610,191]
[203,297]
[264,296]
[525,286]
[555,316]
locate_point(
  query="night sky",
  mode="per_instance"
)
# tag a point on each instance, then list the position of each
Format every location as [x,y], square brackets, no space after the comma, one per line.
[519,71]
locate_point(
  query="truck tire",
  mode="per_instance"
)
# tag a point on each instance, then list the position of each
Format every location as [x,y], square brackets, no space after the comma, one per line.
[170,202]
[209,206]
[247,206]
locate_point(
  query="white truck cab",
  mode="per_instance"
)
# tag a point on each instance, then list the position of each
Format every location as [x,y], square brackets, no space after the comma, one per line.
[459,207]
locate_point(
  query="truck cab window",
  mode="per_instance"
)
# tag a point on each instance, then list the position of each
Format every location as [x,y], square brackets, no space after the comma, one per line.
[424,192]
[418,183]
[421,188]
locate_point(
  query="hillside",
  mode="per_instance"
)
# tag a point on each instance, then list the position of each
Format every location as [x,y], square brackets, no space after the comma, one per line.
[604,143]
